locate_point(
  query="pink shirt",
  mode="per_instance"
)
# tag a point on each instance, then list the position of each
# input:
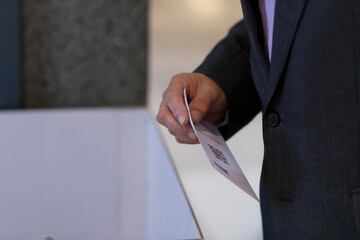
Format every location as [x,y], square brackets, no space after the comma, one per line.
[267,10]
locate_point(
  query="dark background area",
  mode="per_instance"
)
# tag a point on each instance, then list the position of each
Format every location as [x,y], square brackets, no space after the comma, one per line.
[10,85]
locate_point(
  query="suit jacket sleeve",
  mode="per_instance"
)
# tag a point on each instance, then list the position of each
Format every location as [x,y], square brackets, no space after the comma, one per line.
[228,64]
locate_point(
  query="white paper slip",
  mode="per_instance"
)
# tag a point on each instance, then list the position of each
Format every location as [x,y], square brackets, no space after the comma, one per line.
[219,153]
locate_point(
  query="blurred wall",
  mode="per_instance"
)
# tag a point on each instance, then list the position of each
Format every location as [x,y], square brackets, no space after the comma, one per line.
[84,52]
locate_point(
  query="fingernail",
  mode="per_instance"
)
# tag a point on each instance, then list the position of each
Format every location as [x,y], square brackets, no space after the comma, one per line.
[196,116]
[192,135]
[181,120]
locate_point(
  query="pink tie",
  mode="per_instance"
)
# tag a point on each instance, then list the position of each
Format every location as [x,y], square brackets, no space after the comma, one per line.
[267,9]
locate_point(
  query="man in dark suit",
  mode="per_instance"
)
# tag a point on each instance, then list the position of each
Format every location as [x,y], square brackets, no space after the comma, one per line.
[308,89]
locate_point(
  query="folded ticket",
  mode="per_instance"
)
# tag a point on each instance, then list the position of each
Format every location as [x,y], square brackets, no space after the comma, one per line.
[219,153]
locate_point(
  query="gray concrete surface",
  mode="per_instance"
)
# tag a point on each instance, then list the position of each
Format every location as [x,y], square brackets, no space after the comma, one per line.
[83,53]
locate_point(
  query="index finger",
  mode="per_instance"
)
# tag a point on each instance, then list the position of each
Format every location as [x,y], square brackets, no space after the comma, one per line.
[174,99]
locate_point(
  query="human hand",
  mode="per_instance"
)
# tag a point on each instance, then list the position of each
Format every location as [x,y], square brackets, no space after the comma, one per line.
[207,102]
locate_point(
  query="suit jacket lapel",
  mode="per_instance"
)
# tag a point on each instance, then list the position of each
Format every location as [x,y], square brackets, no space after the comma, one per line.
[287,16]
[259,63]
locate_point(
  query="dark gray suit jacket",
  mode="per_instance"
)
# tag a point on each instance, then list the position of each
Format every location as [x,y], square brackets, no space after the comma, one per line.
[309,98]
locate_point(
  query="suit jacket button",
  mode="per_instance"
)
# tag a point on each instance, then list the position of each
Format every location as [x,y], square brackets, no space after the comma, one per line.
[273,119]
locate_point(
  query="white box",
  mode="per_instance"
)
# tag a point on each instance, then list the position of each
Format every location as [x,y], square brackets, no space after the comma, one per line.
[88,174]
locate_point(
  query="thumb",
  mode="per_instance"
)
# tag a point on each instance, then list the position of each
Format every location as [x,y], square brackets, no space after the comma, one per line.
[199,105]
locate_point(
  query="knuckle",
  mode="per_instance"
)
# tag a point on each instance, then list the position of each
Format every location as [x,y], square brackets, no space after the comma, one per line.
[167,96]
[179,140]
[176,77]
[160,118]
[180,77]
